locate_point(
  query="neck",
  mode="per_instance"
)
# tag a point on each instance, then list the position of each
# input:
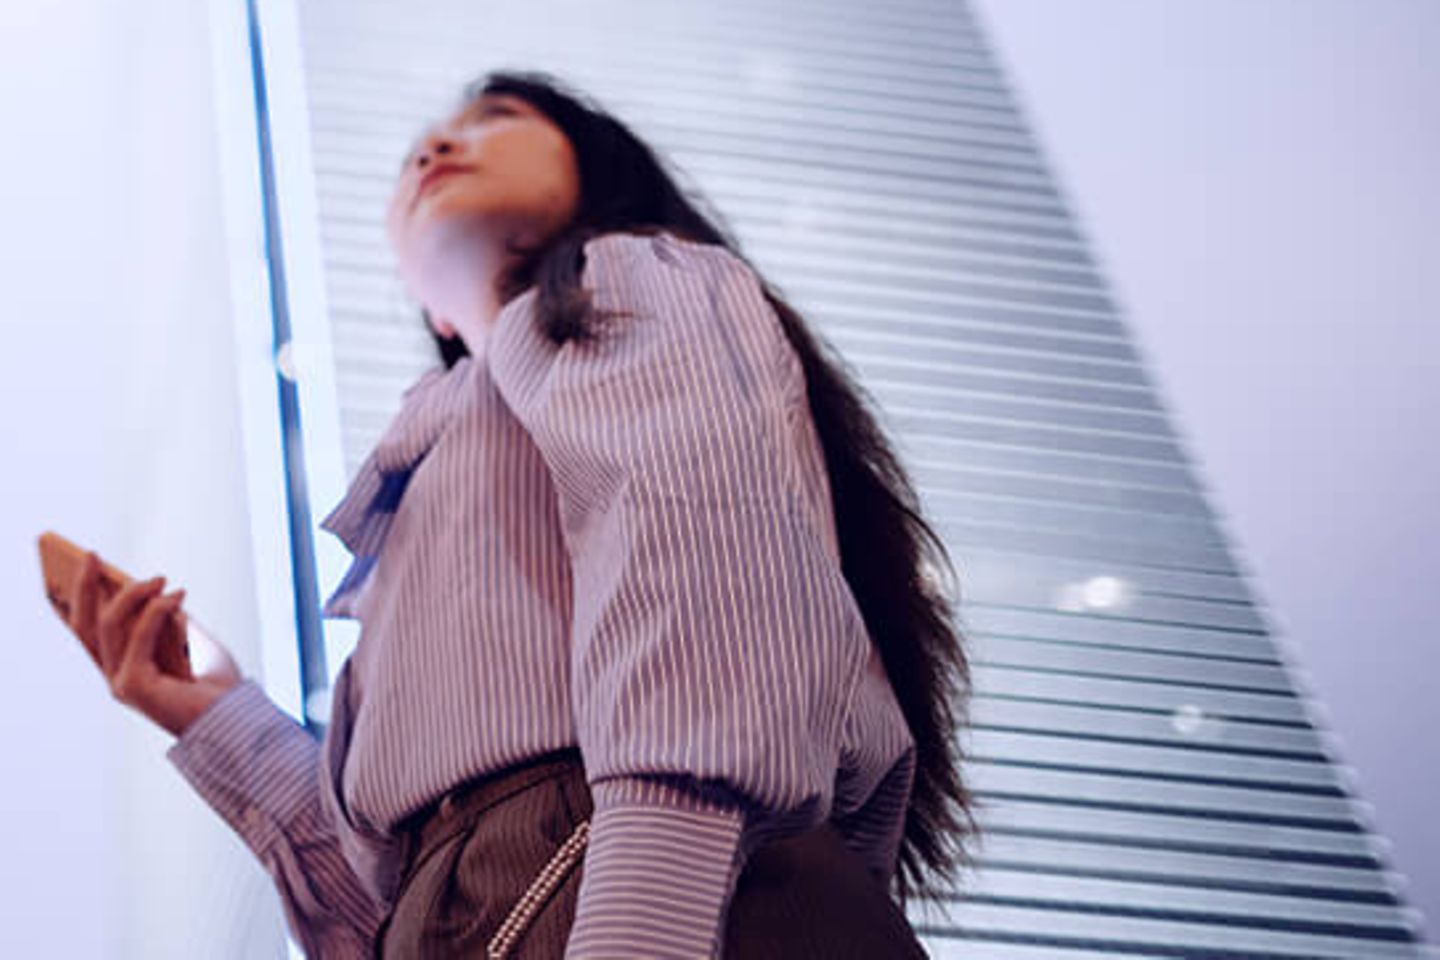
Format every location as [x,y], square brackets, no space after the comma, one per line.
[459,288]
[471,314]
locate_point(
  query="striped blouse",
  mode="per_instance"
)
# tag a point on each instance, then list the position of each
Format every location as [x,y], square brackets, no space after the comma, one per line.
[626,545]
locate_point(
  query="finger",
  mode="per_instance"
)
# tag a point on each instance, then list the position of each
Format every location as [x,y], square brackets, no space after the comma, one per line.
[138,658]
[113,626]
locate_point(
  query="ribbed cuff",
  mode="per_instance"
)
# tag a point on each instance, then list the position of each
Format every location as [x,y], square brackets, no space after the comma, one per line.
[250,761]
[660,868]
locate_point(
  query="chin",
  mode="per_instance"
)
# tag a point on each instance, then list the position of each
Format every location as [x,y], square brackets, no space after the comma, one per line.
[439,234]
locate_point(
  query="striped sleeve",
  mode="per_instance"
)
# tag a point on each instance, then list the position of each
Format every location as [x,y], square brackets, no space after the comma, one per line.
[259,770]
[715,645]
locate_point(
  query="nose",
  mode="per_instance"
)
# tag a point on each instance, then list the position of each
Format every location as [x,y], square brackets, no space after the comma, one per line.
[436,145]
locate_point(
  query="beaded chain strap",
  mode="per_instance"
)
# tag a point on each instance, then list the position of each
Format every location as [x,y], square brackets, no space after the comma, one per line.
[550,877]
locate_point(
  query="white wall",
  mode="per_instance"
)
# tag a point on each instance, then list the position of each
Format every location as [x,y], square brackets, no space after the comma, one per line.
[1258,179]
[120,430]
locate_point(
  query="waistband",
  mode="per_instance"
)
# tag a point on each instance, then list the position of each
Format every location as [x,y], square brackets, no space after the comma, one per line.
[468,800]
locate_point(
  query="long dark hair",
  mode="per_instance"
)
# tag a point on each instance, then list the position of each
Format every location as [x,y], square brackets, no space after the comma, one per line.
[895,565]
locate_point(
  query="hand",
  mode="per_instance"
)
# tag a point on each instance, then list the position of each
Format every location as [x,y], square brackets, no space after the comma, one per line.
[121,635]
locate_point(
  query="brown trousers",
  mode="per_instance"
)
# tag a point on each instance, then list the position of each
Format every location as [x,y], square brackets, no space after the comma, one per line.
[473,855]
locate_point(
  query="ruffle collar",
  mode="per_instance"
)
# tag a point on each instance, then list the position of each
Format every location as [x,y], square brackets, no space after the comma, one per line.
[363,516]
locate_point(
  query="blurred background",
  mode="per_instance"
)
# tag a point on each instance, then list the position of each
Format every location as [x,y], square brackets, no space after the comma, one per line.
[1146,290]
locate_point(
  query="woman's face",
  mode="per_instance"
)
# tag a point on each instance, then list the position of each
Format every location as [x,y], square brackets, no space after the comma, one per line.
[495,172]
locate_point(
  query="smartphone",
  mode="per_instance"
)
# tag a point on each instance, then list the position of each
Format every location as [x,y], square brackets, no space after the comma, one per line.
[60,562]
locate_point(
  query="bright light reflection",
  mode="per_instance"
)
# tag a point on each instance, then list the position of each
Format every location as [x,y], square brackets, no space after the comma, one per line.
[1190,720]
[285,361]
[317,705]
[1096,593]
[1106,592]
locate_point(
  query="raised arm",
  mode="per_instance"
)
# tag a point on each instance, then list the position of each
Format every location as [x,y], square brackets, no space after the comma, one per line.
[715,644]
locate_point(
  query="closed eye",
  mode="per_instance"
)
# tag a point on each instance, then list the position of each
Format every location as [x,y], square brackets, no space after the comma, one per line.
[494,106]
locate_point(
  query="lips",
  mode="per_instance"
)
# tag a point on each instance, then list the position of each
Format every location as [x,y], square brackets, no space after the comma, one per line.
[435,174]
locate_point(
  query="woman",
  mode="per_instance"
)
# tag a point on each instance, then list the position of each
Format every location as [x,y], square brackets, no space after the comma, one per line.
[653,660]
